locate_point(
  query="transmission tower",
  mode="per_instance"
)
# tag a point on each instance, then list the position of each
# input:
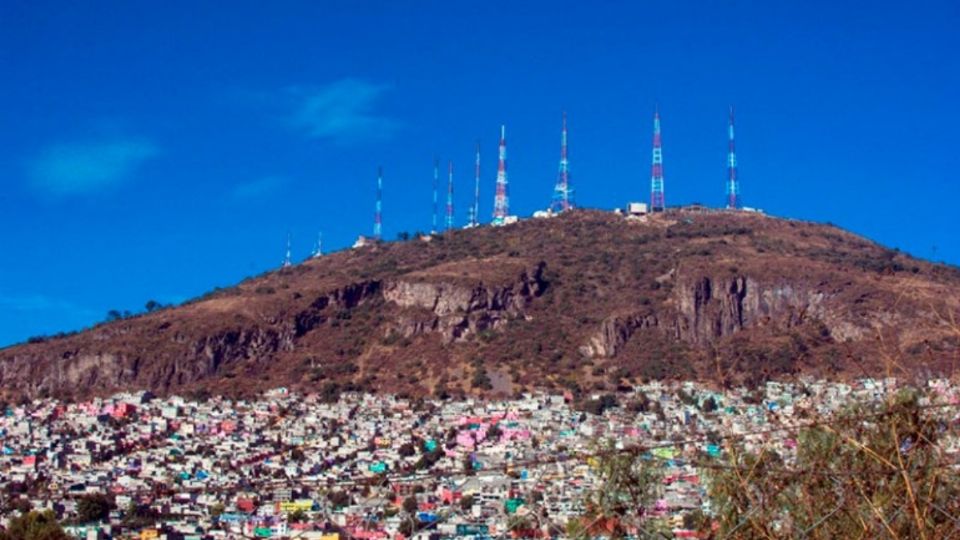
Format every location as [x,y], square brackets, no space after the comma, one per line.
[475,210]
[656,169]
[563,192]
[449,221]
[286,258]
[501,201]
[318,249]
[733,183]
[436,186]
[378,216]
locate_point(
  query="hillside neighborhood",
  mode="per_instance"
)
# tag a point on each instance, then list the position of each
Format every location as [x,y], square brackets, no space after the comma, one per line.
[376,467]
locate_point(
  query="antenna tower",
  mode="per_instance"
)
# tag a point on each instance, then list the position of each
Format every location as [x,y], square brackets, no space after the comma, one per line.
[318,250]
[377,216]
[562,192]
[286,257]
[656,169]
[501,201]
[475,210]
[449,222]
[733,183]
[436,182]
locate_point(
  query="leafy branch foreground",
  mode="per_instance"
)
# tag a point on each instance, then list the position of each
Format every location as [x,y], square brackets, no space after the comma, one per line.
[888,470]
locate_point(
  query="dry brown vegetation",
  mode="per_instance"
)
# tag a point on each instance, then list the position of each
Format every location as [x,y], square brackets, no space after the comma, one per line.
[660,297]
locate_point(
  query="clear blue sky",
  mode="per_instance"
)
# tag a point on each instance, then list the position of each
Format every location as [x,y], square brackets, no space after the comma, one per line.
[154,150]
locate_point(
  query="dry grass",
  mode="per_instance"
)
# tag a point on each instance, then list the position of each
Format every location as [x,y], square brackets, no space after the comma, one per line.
[597,265]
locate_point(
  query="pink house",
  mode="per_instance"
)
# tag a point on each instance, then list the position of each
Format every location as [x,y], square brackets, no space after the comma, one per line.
[122,410]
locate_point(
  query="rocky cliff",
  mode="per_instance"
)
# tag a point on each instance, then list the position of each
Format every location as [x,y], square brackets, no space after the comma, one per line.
[459,309]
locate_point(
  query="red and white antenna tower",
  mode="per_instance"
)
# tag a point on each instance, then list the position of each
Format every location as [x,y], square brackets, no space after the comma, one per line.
[562,192]
[475,211]
[501,201]
[377,216]
[656,169]
[436,186]
[733,183]
[449,222]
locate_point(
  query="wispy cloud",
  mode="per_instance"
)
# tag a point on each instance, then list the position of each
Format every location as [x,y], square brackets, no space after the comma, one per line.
[36,303]
[81,167]
[344,110]
[254,189]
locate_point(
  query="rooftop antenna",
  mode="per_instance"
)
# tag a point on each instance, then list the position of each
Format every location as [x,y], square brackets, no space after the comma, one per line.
[318,250]
[733,183]
[449,222]
[501,201]
[286,258]
[656,168]
[377,216]
[436,182]
[562,192]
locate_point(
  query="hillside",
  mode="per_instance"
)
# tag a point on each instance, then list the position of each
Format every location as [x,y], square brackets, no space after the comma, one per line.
[582,302]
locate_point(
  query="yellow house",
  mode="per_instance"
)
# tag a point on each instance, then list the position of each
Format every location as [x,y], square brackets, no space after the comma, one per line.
[304,505]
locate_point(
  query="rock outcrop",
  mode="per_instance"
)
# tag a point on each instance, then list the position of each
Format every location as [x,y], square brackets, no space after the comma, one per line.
[457,310]
[710,307]
[347,297]
[614,333]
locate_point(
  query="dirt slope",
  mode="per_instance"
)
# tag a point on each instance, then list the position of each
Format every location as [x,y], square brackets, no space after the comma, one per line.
[584,302]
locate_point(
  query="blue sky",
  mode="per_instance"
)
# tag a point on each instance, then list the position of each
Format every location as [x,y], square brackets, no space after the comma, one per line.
[154,150]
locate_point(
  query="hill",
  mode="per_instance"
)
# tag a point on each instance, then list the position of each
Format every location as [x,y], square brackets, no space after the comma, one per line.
[585,302]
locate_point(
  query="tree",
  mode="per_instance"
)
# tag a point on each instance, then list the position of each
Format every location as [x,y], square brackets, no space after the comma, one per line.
[407,527]
[339,499]
[34,526]
[19,504]
[410,505]
[409,524]
[139,515]
[597,406]
[152,305]
[710,405]
[874,471]
[480,379]
[627,486]
[216,510]
[114,315]
[91,508]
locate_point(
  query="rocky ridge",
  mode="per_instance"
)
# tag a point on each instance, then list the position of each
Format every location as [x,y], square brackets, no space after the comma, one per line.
[584,301]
